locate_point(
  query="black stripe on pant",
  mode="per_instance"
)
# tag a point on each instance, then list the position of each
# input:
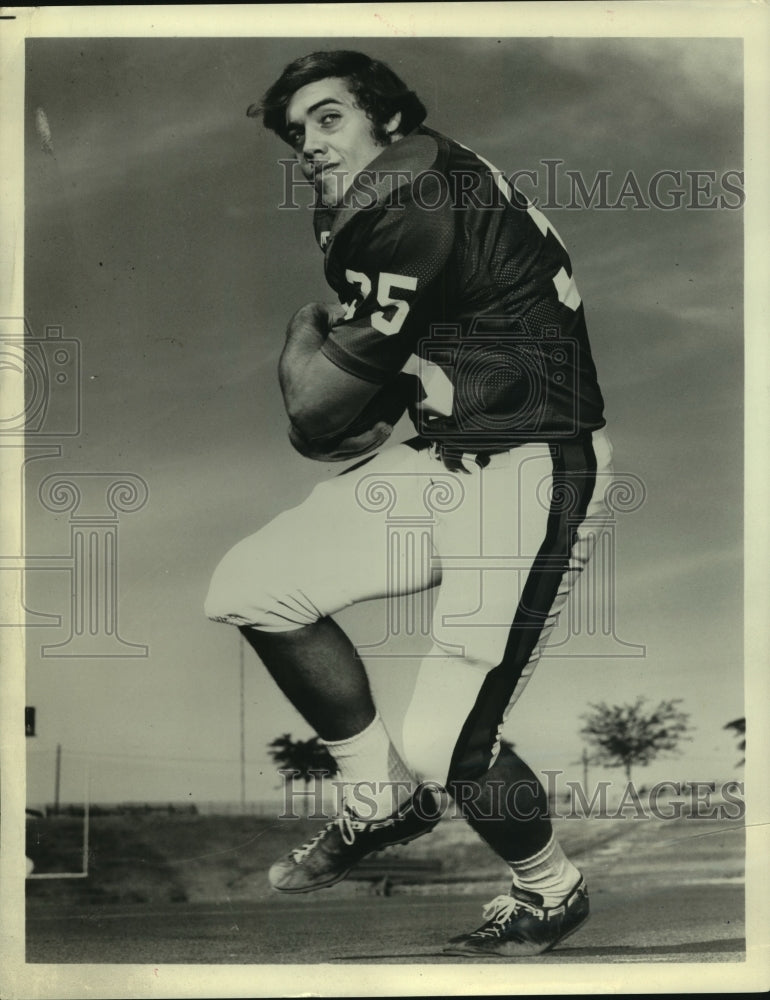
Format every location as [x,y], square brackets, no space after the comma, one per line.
[574,482]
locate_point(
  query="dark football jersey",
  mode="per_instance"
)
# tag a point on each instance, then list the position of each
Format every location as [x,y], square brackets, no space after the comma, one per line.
[453,281]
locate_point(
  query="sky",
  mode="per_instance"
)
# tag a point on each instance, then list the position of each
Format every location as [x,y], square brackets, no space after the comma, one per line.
[154,239]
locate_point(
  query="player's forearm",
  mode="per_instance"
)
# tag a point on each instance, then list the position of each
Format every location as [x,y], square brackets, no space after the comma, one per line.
[305,335]
[320,399]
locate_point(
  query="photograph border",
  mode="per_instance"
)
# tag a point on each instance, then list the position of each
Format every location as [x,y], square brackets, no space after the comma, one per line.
[742,19]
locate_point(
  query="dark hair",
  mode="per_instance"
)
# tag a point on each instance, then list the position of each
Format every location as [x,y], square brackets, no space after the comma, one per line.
[376,88]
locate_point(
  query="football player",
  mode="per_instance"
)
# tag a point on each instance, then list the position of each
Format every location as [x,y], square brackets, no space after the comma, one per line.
[455,299]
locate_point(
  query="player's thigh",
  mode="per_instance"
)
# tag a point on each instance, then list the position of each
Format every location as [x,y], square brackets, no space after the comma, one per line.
[490,577]
[486,547]
[328,552]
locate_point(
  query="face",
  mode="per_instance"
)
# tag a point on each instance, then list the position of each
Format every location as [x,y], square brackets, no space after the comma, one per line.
[331,136]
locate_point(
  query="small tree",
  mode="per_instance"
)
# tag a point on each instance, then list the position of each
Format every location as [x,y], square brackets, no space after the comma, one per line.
[739,728]
[625,735]
[305,757]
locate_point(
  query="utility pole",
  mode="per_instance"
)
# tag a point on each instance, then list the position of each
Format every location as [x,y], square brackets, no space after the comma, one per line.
[243,726]
[585,759]
[57,781]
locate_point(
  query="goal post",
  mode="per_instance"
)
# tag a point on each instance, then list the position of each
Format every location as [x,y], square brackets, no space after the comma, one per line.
[85,850]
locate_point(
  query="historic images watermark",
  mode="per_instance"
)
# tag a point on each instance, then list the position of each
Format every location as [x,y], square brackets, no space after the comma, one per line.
[551,186]
[42,410]
[323,799]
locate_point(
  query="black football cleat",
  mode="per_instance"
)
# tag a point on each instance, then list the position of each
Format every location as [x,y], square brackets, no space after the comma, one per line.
[331,855]
[519,926]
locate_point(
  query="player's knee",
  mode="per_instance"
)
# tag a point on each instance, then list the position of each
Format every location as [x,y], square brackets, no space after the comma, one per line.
[247,589]
[234,596]
[427,751]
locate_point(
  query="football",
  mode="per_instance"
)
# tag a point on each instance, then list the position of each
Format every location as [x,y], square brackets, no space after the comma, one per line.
[386,406]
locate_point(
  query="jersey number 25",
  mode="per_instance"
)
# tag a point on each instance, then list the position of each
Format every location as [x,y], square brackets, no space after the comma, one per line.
[386,285]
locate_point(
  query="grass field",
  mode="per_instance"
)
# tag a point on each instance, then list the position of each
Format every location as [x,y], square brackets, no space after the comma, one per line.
[177,858]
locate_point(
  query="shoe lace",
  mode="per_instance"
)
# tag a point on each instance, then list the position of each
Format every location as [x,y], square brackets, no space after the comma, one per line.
[497,912]
[347,826]
[299,853]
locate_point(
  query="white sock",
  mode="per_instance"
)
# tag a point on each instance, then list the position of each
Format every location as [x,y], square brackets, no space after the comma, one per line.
[376,780]
[549,873]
